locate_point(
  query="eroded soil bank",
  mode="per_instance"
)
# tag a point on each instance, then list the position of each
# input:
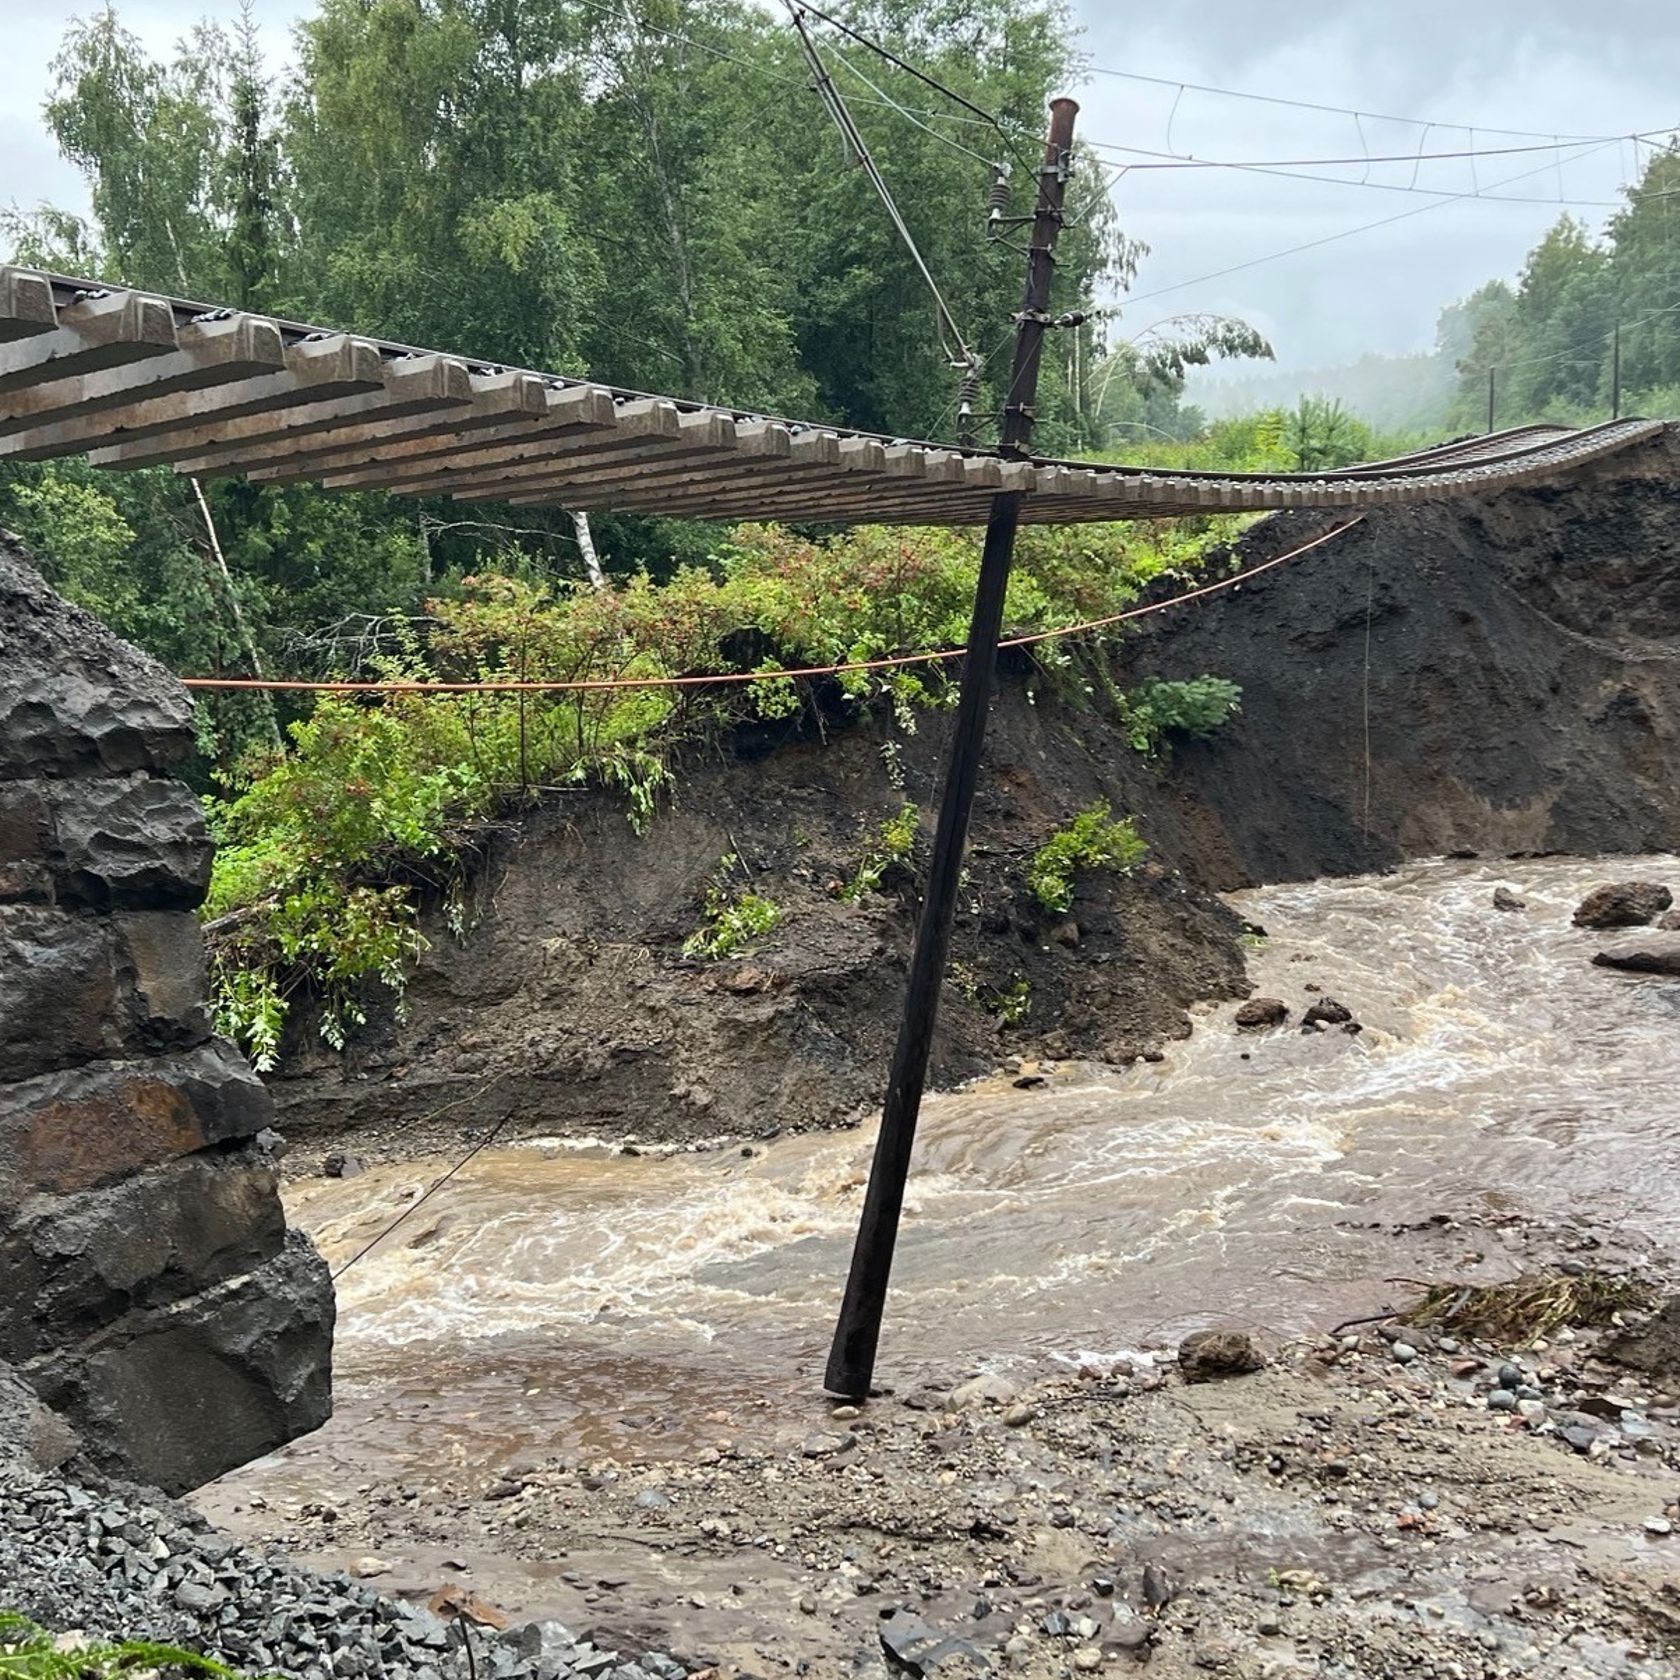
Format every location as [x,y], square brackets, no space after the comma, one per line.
[1497,676]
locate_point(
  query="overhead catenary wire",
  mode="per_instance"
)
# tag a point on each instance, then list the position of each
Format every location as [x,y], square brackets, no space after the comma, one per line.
[1180,160]
[1283,173]
[1581,348]
[619,14]
[1352,232]
[953,339]
[910,116]
[1341,110]
[922,76]
[891,662]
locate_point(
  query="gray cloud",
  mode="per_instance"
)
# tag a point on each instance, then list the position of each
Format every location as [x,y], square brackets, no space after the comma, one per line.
[1537,64]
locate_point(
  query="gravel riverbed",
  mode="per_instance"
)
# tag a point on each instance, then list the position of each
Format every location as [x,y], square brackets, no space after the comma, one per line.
[1384,1504]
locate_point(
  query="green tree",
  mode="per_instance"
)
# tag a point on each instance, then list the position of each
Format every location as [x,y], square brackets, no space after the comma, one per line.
[1645,275]
[248,181]
[1320,434]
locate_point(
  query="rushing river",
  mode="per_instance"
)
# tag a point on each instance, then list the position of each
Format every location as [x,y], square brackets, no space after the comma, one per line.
[556,1298]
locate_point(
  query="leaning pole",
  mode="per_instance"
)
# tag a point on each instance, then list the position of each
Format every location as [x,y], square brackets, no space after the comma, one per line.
[851,1361]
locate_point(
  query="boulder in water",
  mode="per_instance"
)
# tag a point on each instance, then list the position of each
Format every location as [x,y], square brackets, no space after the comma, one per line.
[1669,922]
[1505,899]
[1208,1355]
[1647,953]
[1623,904]
[1327,1012]
[1263,1012]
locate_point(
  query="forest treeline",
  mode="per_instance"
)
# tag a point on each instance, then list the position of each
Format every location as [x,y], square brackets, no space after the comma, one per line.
[646,192]
[649,192]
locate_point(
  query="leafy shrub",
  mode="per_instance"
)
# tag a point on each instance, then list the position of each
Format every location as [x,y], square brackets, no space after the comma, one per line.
[1009,1005]
[892,843]
[733,919]
[1093,840]
[298,895]
[1012,1003]
[1157,709]
[325,850]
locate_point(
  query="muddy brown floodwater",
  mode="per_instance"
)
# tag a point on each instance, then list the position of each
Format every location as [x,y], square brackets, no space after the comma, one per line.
[563,1300]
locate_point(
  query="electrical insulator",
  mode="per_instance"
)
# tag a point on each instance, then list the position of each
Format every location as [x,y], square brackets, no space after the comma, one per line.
[997,198]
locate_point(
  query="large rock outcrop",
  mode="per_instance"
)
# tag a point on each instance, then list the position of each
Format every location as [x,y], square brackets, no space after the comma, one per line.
[150,1294]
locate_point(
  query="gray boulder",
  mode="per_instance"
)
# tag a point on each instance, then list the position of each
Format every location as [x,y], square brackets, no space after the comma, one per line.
[1262,1012]
[150,1295]
[1623,904]
[175,1395]
[1646,953]
[31,1436]
[74,699]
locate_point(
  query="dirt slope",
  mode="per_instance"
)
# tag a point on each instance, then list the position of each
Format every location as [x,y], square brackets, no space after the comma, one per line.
[1516,660]
[1499,676]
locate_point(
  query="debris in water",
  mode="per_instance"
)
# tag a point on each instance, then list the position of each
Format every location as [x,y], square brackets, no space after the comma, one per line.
[1529,1307]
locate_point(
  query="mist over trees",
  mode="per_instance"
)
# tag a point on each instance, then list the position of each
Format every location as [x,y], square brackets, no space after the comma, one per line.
[1549,336]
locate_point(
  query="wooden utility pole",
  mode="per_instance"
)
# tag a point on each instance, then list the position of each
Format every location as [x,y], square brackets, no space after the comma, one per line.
[1616,374]
[851,1362]
[1491,373]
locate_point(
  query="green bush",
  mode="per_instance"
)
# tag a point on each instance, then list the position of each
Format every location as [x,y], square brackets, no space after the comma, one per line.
[1093,840]
[733,918]
[892,842]
[1159,709]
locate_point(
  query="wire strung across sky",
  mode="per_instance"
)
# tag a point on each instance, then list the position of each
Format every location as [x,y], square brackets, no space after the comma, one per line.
[1346,110]
[1177,160]
[1297,170]
[1363,227]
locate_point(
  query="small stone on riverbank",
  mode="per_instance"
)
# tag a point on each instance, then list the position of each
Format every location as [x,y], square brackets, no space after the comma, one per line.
[1208,1355]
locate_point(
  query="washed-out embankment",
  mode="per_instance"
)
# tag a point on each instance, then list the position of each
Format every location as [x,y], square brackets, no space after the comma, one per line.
[1498,676]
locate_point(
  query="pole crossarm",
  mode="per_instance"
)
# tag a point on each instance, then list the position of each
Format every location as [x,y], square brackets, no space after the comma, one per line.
[127,379]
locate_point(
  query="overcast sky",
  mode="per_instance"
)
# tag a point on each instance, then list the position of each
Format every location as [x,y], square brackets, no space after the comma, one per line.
[1553,66]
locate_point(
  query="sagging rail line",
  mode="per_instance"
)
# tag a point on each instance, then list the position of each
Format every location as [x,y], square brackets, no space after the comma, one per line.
[127,379]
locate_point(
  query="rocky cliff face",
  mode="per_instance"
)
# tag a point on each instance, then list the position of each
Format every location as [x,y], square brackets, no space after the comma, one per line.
[150,1293]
